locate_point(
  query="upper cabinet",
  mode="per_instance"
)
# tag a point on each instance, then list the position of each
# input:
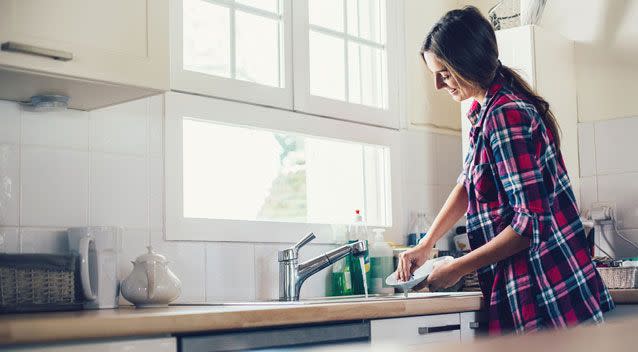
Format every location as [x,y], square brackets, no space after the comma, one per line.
[425,106]
[97,52]
[546,60]
[341,61]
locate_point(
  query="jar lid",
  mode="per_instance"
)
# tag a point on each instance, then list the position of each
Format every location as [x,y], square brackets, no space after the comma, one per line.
[151,256]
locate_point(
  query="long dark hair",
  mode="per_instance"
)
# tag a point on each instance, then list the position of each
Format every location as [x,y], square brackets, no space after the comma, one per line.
[466,43]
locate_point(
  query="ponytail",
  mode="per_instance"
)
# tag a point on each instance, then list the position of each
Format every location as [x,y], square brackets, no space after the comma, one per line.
[542,106]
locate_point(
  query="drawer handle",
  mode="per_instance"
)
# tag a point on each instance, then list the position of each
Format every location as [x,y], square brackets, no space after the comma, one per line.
[35,50]
[474,325]
[432,329]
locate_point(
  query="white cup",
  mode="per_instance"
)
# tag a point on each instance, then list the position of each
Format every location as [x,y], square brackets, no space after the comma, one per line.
[98,248]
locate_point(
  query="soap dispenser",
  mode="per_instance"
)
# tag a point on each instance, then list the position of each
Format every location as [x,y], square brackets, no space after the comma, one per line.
[381,263]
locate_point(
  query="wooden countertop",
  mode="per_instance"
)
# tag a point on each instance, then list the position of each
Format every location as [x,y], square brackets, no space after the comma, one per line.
[128,321]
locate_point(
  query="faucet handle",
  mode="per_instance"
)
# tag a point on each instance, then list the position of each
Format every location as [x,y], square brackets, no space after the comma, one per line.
[293,252]
[304,241]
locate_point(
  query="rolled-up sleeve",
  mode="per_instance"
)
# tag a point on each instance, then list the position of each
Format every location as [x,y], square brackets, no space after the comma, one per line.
[511,132]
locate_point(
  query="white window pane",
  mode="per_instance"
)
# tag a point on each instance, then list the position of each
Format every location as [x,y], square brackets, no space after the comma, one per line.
[241,173]
[266,5]
[326,13]
[206,38]
[335,180]
[258,55]
[354,74]
[327,66]
[372,68]
[366,19]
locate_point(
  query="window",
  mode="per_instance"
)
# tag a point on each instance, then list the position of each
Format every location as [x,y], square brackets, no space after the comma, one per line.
[219,39]
[347,51]
[235,49]
[231,174]
[343,60]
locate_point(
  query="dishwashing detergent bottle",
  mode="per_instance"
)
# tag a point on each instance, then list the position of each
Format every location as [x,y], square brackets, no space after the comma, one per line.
[358,231]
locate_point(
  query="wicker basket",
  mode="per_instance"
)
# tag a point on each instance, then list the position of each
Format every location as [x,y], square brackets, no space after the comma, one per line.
[620,277]
[38,282]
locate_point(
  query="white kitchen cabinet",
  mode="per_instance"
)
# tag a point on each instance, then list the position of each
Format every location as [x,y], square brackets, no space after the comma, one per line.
[546,60]
[159,344]
[412,331]
[118,50]
[469,325]
[424,107]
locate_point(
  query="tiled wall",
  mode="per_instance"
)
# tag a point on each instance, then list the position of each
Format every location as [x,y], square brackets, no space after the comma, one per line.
[105,167]
[609,173]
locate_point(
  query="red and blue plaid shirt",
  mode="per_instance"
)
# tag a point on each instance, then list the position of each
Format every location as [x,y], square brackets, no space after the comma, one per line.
[515,176]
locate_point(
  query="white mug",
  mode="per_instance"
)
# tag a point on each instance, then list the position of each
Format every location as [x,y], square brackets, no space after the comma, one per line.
[98,248]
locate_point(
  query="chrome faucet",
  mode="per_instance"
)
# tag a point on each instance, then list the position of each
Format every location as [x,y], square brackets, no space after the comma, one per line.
[292,274]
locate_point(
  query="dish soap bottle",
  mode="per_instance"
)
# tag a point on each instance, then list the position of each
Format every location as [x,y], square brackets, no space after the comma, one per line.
[341,279]
[381,263]
[358,231]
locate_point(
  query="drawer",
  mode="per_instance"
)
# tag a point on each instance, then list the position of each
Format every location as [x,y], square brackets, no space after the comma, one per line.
[416,330]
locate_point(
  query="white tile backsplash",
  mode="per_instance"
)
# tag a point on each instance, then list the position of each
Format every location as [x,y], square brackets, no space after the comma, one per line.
[267,270]
[121,129]
[448,162]
[588,192]
[9,122]
[55,188]
[616,146]
[621,189]
[230,269]
[56,128]
[156,117]
[54,241]
[9,185]
[9,240]
[187,260]
[156,189]
[119,190]
[586,149]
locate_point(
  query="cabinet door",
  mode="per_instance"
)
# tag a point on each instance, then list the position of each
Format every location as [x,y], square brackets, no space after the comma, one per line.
[469,325]
[416,330]
[117,41]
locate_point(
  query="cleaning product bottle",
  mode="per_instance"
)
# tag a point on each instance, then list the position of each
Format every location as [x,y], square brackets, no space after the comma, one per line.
[381,263]
[341,279]
[358,231]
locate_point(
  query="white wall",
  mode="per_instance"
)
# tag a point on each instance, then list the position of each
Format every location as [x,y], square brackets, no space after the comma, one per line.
[105,167]
[609,170]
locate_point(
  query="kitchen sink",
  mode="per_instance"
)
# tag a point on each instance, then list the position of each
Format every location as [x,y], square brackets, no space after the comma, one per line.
[340,299]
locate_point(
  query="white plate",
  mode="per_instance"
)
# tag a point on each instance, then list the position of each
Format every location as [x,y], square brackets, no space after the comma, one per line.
[419,274]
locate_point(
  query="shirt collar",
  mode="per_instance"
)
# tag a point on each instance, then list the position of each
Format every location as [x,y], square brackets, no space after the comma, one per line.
[476,110]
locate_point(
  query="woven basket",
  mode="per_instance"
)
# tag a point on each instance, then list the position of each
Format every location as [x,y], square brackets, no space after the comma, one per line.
[620,277]
[38,282]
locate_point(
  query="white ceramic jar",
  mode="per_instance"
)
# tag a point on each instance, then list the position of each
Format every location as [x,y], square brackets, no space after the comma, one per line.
[151,283]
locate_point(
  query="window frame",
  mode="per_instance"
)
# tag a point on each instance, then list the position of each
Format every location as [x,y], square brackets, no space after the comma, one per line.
[179,105]
[305,102]
[229,88]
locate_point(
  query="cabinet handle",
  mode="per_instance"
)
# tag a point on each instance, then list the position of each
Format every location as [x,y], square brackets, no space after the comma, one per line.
[35,50]
[474,325]
[432,329]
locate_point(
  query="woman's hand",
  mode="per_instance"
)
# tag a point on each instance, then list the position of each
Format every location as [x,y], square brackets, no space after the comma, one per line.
[444,275]
[411,260]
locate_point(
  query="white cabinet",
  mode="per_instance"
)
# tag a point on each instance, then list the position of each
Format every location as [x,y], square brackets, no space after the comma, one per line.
[546,60]
[469,325]
[117,50]
[413,331]
[424,106]
[160,344]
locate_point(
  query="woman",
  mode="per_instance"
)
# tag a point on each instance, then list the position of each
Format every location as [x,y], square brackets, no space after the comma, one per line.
[528,244]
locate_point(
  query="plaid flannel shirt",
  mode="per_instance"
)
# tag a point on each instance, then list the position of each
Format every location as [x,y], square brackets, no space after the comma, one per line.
[515,176]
